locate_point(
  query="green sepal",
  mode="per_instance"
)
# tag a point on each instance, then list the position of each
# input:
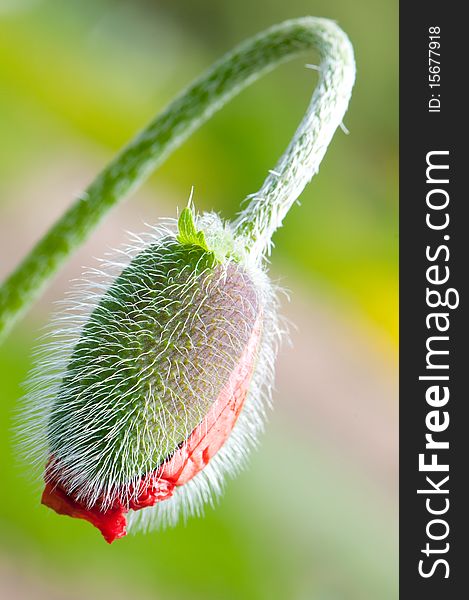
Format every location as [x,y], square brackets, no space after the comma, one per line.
[188,234]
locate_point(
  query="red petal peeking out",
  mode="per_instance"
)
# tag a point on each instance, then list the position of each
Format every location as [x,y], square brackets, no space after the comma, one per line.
[202,444]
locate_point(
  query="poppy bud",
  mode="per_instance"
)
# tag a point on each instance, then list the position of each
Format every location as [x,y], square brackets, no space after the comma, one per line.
[164,382]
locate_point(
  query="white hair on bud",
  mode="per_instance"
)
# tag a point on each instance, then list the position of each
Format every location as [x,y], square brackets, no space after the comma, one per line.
[79,469]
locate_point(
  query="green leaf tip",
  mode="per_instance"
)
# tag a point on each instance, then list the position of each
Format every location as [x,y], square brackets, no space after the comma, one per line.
[217,242]
[188,233]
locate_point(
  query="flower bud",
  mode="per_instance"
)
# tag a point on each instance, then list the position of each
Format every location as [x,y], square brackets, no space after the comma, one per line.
[158,390]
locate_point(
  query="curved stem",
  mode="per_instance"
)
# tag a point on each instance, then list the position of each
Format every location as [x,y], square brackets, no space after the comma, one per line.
[300,161]
[188,111]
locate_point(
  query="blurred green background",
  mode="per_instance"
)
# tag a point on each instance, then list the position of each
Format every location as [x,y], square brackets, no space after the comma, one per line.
[315,516]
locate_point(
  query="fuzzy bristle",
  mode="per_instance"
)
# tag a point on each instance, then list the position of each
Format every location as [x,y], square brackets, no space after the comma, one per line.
[132,371]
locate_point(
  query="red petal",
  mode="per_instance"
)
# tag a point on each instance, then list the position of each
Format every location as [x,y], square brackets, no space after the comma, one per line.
[110,523]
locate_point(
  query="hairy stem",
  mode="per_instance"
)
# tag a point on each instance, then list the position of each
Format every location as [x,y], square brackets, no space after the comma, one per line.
[266,209]
[174,125]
